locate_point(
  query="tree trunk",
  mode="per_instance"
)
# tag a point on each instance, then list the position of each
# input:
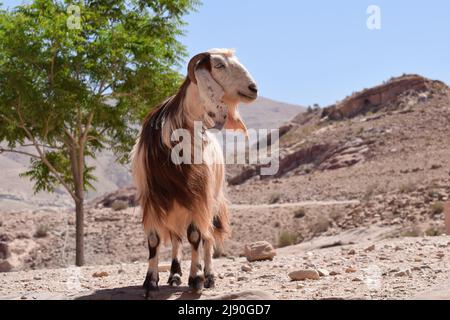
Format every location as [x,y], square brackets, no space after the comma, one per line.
[77,166]
[79,233]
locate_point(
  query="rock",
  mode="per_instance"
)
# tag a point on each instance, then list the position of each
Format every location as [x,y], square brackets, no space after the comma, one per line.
[164,267]
[287,162]
[246,295]
[334,273]
[346,155]
[350,270]
[119,205]
[323,272]
[351,252]
[447,216]
[403,273]
[100,274]
[389,92]
[5,266]
[246,268]
[4,250]
[304,274]
[371,248]
[261,250]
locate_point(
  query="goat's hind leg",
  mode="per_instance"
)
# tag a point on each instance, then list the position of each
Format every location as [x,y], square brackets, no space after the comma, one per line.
[196,278]
[152,278]
[208,247]
[175,269]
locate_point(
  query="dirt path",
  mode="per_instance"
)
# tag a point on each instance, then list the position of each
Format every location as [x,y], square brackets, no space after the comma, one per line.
[294,204]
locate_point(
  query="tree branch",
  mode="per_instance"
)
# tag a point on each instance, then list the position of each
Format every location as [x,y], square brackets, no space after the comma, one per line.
[86,129]
[42,145]
[118,95]
[52,64]
[3,150]
[42,154]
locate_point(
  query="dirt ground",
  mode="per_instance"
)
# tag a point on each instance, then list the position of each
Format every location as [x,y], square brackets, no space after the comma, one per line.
[387,269]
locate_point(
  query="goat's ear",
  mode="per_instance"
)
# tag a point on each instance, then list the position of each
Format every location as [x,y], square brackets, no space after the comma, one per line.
[234,120]
[201,58]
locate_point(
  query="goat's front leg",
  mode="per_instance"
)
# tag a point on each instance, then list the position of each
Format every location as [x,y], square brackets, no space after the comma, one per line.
[196,278]
[152,278]
[208,247]
[175,269]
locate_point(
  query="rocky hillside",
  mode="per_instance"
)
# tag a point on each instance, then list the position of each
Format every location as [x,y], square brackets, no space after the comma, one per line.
[362,192]
[366,126]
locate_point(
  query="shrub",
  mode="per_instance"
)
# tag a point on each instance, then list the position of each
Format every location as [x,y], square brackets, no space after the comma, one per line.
[320,225]
[286,238]
[407,188]
[434,231]
[300,213]
[370,191]
[437,208]
[41,231]
[274,198]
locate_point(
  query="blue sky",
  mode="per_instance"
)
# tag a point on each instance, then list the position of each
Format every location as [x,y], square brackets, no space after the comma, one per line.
[320,51]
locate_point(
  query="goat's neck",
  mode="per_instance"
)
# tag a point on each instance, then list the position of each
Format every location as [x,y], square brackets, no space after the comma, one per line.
[193,109]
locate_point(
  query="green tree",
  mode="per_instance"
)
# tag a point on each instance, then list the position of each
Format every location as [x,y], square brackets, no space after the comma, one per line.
[75,78]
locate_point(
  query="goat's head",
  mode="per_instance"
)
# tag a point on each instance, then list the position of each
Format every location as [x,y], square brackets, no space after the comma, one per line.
[223,83]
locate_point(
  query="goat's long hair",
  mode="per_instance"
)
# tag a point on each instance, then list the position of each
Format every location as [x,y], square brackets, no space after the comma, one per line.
[164,186]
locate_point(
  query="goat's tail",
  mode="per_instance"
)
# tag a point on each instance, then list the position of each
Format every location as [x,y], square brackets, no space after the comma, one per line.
[221,223]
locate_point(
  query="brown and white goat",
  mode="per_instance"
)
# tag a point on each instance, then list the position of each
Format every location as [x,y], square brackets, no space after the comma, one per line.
[188,199]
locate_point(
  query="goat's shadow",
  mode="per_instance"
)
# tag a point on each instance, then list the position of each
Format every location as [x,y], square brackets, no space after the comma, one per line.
[137,293]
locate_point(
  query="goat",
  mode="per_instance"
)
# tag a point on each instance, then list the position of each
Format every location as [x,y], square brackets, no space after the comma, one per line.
[178,199]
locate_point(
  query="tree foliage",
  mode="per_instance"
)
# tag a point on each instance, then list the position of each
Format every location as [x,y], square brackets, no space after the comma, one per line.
[77,80]
[59,83]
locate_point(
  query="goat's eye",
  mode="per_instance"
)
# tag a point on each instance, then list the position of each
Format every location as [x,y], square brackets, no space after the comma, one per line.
[220,66]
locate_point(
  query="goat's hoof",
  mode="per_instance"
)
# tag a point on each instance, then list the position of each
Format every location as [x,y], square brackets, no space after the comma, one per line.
[150,285]
[196,283]
[210,281]
[174,280]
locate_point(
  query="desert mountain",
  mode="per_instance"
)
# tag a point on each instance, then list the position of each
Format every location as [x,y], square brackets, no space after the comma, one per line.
[361,128]
[268,114]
